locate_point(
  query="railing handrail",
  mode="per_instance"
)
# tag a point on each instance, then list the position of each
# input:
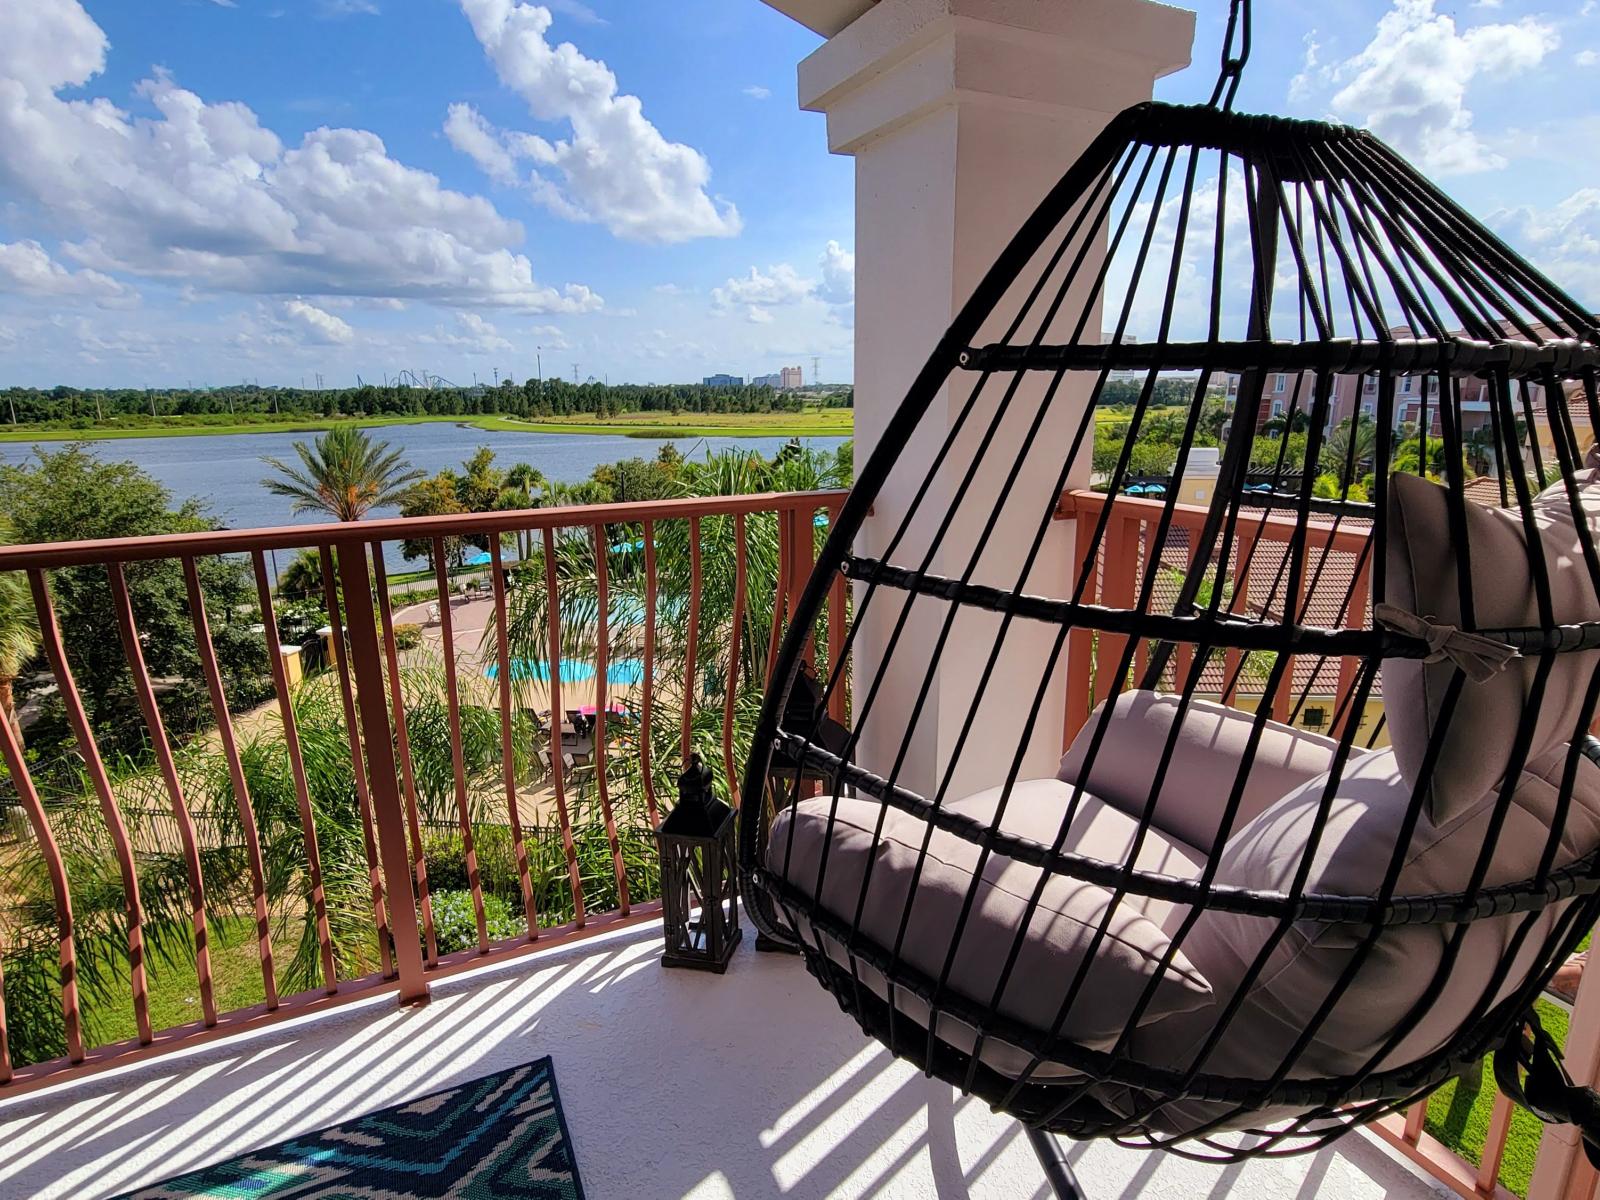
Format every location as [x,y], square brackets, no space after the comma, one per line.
[1343,538]
[46,555]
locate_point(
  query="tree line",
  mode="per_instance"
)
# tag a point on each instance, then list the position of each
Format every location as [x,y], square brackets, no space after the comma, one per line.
[86,407]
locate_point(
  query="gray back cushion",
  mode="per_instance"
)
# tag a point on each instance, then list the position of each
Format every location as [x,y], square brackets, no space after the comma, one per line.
[1423,567]
[1364,824]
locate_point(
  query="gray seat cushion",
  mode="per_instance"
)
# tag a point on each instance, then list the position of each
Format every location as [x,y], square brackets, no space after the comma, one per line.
[1055,942]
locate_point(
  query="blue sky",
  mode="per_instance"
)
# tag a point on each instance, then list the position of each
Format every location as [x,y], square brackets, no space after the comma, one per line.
[206,191]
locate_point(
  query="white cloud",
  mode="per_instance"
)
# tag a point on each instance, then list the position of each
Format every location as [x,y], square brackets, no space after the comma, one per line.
[473,136]
[1586,58]
[1410,83]
[477,334]
[616,169]
[316,324]
[205,194]
[838,275]
[667,289]
[27,268]
[759,292]
[577,10]
[756,92]
[1300,86]
[348,8]
[780,284]
[1564,240]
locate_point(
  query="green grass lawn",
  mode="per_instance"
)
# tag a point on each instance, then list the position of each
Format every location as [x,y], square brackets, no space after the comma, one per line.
[828,422]
[1458,1114]
[825,422]
[175,989]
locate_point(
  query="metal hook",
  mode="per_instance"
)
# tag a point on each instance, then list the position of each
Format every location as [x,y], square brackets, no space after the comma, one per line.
[1235,53]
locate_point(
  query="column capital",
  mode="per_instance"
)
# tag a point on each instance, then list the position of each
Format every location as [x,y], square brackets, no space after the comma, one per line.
[901,59]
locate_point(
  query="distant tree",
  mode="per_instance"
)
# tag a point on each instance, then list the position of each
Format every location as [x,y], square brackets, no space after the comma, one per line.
[634,479]
[72,495]
[302,578]
[435,497]
[1349,449]
[478,486]
[344,474]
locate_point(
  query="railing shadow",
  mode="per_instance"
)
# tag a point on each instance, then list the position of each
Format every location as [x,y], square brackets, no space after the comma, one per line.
[674,1084]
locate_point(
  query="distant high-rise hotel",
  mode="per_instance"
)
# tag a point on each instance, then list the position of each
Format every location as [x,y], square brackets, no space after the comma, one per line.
[775,380]
[793,379]
[724,381]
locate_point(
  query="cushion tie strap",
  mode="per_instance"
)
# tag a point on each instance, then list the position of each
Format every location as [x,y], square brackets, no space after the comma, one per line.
[1529,1070]
[1480,657]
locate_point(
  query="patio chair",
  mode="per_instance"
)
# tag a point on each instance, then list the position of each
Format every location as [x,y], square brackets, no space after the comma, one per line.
[1210,930]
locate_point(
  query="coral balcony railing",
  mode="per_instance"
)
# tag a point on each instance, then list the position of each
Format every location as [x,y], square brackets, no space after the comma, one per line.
[1133,559]
[210,855]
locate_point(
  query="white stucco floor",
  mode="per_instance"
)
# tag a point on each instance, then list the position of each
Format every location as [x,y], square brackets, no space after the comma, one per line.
[675,1084]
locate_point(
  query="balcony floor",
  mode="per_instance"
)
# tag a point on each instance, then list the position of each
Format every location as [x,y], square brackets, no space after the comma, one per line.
[674,1084]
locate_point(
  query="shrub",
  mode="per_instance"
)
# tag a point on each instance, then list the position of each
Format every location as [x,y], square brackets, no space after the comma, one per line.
[407,636]
[455,924]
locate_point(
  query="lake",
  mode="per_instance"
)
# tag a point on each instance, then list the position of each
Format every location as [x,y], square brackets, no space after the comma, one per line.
[225,471]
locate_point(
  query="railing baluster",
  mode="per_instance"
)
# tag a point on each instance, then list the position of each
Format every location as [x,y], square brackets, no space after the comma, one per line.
[1080,642]
[383,777]
[553,615]
[1416,1115]
[50,633]
[1244,555]
[1356,618]
[1494,1144]
[397,708]
[1120,571]
[780,594]
[5,1034]
[458,762]
[647,704]
[241,791]
[602,664]
[297,768]
[1293,611]
[358,764]
[508,754]
[731,692]
[60,889]
[802,549]
[145,694]
[838,622]
[690,663]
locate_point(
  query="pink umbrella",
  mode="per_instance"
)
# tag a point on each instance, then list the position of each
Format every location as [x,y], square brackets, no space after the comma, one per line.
[589,710]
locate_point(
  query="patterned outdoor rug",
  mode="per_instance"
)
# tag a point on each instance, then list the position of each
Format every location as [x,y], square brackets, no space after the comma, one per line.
[498,1138]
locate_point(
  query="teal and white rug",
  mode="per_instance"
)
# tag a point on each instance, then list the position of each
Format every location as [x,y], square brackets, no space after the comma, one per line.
[498,1138]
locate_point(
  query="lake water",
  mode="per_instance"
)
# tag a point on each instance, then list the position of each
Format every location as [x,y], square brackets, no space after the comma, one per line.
[225,471]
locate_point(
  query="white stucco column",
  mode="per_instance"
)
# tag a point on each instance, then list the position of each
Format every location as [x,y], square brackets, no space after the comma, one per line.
[961,114]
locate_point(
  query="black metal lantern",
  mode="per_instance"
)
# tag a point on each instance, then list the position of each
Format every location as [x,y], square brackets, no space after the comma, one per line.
[699,880]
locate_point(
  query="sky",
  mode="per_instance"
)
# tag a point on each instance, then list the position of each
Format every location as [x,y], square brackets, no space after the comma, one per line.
[200,192]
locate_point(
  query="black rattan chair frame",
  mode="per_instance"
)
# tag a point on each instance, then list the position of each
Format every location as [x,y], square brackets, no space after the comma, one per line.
[1389,280]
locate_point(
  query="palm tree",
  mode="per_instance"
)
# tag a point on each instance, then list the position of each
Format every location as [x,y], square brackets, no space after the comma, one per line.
[19,632]
[345,474]
[1349,449]
[302,578]
[730,473]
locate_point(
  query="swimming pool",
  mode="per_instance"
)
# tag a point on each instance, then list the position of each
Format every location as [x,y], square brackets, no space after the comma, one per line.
[625,672]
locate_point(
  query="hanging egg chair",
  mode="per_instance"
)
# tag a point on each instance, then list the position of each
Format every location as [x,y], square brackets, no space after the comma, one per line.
[1216,916]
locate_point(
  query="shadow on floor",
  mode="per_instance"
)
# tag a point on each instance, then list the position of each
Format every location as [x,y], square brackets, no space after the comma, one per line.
[675,1084]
